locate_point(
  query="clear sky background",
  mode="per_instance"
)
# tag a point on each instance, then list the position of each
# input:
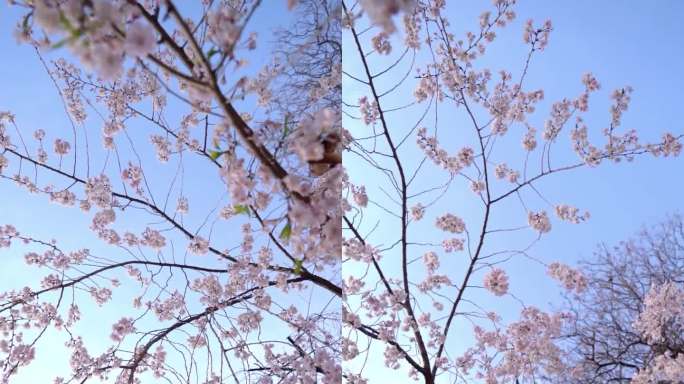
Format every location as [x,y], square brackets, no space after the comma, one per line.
[621,43]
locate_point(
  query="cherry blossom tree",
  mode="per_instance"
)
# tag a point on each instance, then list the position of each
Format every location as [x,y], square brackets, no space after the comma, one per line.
[236,248]
[219,207]
[629,321]
[447,162]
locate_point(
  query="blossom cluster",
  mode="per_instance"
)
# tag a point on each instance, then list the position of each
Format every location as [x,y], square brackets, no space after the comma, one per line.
[539,221]
[662,317]
[381,11]
[450,223]
[369,110]
[571,279]
[496,281]
[101,48]
[524,349]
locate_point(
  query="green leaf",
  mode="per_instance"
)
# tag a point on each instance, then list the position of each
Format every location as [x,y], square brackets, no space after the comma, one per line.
[286,232]
[67,24]
[74,33]
[298,264]
[286,128]
[25,23]
[61,43]
[215,154]
[211,52]
[238,209]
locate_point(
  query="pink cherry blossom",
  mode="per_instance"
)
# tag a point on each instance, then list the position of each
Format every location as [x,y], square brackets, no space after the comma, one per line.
[496,281]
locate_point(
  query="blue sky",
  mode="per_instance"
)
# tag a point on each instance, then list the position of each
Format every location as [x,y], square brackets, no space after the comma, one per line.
[621,43]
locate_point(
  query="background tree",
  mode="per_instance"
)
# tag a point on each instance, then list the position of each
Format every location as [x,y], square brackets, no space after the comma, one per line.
[309,52]
[629,322]
[447,165]
[222,245]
